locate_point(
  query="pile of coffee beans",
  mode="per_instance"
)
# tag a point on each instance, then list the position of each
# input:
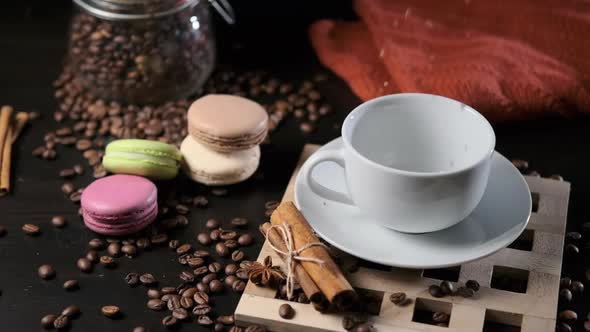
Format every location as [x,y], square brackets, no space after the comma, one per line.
[142,61]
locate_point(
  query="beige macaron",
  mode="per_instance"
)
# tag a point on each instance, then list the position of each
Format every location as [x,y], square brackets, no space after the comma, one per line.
[227,123]
[216,168]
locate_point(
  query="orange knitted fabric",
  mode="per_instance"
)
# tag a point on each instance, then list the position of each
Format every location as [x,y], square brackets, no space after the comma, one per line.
[511,59]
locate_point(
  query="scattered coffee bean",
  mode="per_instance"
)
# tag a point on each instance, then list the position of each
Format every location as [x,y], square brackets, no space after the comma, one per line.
[577,287]
[238,286]
[365,327]
[148,279]
[565,294]
[587,325]
[153,293]
[156,304]
[71,285]
[75,197]
[182,209]
[31,229]
[187,276]
[221,249]
[67,173]
[47,321]
[227,235]
[215,267]
[465,292]
[114,249]
[84,265]
[201,298]
[214,235]
[245,239]
[203,287]
[201,253]
[573,236]
[398,298]
[200,201]
[567,315]
[97,244]
[237,255]
[218,327]
[447,287]
[204,320]
[440,317]
[159,239]
[180,313]
[132,279]
[563,327]
[71,311]
[195,261]
[216,286]
[92,256]
[565,282]
[286,311]
[61,322]
[108,261]
[129,250]
[226,319]
[183,249]
[58,221]
[139,329]
[219,192]
[473,284]
[67,188]
[83,144]
[239,222]
[204,239]
[169,321]
[201,270]
[110,311]
[435,291]
[212,224]
[231,244]
[572,249]
[187,302]
[46,272]
[202,309]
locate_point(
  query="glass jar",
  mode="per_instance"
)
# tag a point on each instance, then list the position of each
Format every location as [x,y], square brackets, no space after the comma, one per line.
[141,51]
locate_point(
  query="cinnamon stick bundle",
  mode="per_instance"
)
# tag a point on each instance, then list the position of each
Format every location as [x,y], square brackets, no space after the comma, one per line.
[327,276]
[5,122]
[311,290]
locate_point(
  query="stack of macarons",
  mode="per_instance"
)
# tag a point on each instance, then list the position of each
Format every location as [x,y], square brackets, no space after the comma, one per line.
[225,132]
[126,202]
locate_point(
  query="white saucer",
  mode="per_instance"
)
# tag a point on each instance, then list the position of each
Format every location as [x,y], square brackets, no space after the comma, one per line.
[500,217]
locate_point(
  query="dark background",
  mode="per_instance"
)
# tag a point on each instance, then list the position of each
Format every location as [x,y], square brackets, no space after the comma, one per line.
[270,35]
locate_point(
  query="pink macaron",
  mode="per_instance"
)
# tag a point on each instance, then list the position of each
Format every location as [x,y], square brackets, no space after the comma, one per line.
[119,204]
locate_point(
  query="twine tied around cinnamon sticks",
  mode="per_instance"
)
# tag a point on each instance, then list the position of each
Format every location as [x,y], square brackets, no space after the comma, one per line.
[291,255]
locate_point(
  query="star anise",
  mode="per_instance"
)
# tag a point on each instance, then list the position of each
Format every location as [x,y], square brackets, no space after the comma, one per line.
[263,274]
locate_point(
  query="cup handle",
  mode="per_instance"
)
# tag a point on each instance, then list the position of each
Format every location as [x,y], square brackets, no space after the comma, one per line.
[320,190]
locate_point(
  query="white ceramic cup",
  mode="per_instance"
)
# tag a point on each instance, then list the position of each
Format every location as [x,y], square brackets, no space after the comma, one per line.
[413,162]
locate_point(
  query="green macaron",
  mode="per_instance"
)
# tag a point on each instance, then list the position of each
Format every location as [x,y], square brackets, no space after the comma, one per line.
[152,159]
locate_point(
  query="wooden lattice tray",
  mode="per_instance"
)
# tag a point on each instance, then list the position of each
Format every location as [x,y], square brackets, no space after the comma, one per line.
[534,261]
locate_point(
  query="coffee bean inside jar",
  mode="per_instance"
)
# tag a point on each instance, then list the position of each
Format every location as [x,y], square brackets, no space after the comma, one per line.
[141,51]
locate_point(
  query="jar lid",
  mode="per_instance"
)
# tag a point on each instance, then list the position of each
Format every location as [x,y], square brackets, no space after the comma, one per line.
[145,9]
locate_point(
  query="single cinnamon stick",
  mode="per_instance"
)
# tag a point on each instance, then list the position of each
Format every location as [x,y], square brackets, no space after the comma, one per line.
[5,165]
[5,119]
[327,276]
[20,121]
[311,290]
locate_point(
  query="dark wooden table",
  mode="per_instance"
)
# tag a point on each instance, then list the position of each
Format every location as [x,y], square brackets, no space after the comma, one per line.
[273,37]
